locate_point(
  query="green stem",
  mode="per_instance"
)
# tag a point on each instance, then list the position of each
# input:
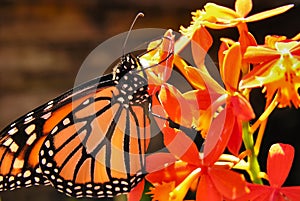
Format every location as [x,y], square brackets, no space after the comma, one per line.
[254,168]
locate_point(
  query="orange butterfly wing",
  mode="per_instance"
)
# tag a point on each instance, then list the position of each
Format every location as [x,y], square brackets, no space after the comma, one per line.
[98,149]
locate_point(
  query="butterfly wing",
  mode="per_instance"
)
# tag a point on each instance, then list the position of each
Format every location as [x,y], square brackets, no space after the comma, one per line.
[21,141]
[19,147]
[97,152]
[97,149]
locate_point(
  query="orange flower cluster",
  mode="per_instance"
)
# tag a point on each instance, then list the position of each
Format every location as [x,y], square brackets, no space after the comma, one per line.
[221,114]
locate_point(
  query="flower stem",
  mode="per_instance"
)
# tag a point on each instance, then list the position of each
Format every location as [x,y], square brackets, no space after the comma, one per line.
[254,168]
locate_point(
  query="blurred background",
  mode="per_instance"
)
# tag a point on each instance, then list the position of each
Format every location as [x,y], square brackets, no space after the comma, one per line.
[43,44]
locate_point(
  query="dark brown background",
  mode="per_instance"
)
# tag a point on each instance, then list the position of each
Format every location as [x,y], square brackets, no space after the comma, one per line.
[43,44]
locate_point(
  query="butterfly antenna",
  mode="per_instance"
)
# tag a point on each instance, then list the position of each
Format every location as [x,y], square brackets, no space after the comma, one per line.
[140,14]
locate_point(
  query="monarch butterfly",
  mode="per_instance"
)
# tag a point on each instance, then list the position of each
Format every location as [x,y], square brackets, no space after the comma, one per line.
[88,142]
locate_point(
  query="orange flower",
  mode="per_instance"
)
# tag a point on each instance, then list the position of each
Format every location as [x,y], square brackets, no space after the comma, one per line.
[277,69]
[219,17]
[279,163]
[158,61]
[235,107]
[194,171]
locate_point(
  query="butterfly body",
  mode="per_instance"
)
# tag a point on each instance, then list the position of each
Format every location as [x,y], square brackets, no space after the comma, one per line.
[88,142]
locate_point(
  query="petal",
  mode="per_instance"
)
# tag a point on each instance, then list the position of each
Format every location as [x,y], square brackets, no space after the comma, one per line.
[158,161]
[181,146]
[258,54]
[161,192]
[175,105]
[243,7]
[221,12]
[231,68]
[241,107]
[292,193]
[158,110]
[159,58]
[200,99]
[200,43]
[179,193]
[201,79]
[269,13]
[137,192]
[207,191]
[257,193]
[230,188]
[235,141]
[246,39]
[219,26]
[260,75]
[218,137]
[222,51]
[177,172]
[297,37]
[279,163]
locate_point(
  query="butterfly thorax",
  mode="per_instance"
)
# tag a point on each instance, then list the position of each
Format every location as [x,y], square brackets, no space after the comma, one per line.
[133,86]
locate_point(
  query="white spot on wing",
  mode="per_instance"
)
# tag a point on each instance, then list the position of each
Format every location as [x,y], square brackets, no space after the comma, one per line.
[66,121]
[27,173]
[8,142]
[28,119]
[54,130]
[46,116]
[18,163]
[14,147]
[30,129]
[31,139]
[47,143]
[12,131]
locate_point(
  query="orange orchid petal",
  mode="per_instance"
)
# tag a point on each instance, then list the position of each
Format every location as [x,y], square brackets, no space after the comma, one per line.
[292,193]
[201,79]
[241,107]
[270,40]
[230,188]
[167,54]
[246,39]
[158,161]
[200,99]
[231,68]
[195,78]
[221,12]
[296,50]
[218,136]
[207,191]
[175,105]
[137,192]
[159,59]
[243,7]
[260,54]
[297,37]
[161,191]
[235,141]
[158,110]
[179,193]
[200,43]
[279,163]
[258,76]
[257,192]
[177,172]
[221,53]
[269,13]
[219,26]
[181,146]
[242,111]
